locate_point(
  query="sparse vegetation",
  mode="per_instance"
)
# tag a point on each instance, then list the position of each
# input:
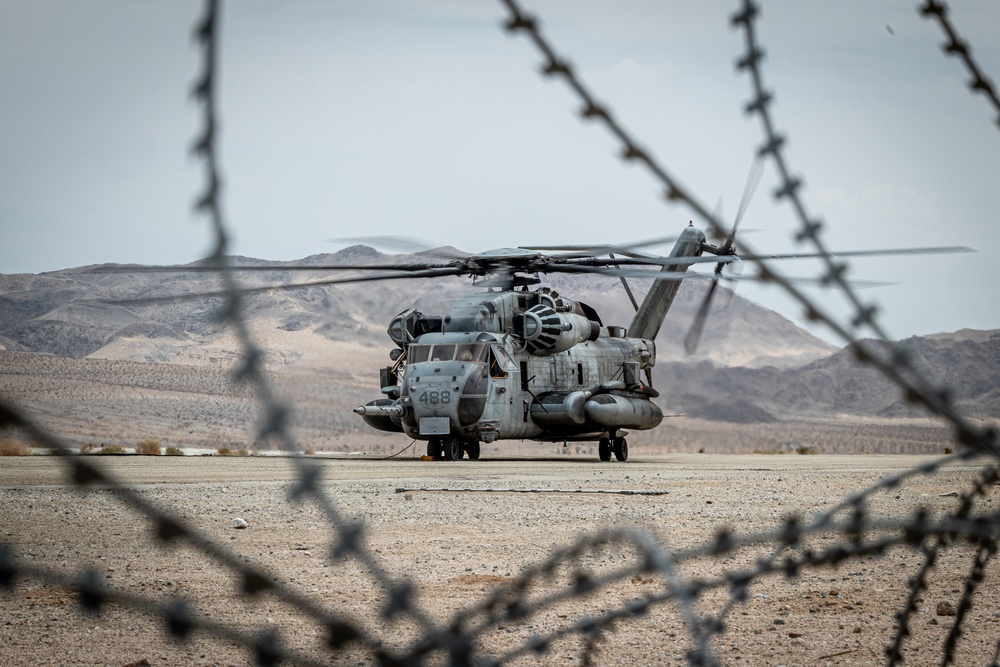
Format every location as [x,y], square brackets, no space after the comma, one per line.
[109,450]
[148,447]
[805,450]
[86,448]
[768,451]
[947,450]
[174,451]
[226,451]
[11,447]
[309,451]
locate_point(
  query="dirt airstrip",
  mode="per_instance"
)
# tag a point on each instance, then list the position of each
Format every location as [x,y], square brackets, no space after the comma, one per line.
[456,547]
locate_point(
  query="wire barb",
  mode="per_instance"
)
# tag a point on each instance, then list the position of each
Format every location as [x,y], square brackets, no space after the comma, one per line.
[798,544]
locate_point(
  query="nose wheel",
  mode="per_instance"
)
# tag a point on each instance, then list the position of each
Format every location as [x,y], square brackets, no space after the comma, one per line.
[434,448]
[452,448]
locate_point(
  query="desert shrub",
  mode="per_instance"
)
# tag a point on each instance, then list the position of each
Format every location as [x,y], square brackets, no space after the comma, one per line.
[224,451]
[174,451]
[947,450]
[110,449]
[241,452]
[148,447]
[309,451]
[86,448]
[805,450]
[11,447]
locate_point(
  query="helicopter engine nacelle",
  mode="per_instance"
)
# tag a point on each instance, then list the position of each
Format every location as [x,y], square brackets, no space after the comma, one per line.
[410,324]
[547,332]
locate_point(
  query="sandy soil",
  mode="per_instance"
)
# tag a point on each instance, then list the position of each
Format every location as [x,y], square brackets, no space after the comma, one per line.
[457,547]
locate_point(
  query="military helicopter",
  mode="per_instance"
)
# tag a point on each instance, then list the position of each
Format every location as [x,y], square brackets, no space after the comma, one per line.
[520,361]
[517,360]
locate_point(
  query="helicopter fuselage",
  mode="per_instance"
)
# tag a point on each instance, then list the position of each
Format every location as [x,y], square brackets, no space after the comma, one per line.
[515,363]
[479,387]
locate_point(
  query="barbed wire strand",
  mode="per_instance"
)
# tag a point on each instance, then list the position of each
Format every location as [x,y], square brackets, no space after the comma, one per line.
[956,46]
[898,364]
[862,534]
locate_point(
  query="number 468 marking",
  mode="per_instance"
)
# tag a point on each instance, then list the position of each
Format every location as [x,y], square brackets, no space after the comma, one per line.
[435,397]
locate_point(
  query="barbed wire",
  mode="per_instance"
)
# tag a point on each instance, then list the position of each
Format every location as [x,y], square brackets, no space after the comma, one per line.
[848,528]
[956,46]
[898,365]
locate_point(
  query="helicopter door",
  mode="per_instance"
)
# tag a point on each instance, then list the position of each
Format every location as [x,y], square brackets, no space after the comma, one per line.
[504,405]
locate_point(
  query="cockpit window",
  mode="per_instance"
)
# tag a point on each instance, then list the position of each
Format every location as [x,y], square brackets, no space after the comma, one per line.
[468,352]
[443,353]
[471,352]
[418,353]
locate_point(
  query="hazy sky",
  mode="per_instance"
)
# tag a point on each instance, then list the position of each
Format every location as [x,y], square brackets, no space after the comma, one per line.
[426,119]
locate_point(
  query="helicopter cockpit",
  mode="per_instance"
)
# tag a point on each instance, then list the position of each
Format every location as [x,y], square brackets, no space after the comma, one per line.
[446,383]
[466,352]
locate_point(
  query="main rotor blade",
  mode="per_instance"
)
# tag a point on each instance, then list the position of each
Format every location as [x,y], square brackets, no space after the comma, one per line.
[888,252]
[214,268]
[731,259]
[678,276]
[430,273]
[605,248]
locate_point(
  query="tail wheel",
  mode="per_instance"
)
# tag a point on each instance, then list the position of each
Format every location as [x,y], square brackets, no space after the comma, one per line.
[452,449]
[472,450]
[620,448]
[604,449]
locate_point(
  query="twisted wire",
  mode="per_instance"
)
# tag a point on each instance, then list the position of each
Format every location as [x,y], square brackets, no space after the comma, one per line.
[849,523]
[959,48]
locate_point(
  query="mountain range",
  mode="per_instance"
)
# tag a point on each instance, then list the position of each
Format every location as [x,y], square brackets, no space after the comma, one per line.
[66,313]
[753,364]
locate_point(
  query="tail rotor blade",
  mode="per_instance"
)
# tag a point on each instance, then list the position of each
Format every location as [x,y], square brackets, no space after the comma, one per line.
[735,272]
[693,336]
[753,180]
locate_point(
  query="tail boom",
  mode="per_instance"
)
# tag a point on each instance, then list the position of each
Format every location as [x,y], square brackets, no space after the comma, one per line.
[649,318]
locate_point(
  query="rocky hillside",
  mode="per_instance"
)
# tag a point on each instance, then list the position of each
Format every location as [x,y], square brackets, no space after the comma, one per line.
[966,362]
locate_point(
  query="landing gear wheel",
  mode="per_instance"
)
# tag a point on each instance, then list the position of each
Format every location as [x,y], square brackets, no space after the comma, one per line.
[434,448]
[472,449]
[452,449]
[620,448]
[604,449]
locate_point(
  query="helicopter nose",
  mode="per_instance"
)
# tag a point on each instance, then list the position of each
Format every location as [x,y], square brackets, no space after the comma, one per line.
[440,392]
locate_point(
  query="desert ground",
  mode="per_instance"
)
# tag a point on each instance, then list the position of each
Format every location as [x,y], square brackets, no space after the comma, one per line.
[458,546]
